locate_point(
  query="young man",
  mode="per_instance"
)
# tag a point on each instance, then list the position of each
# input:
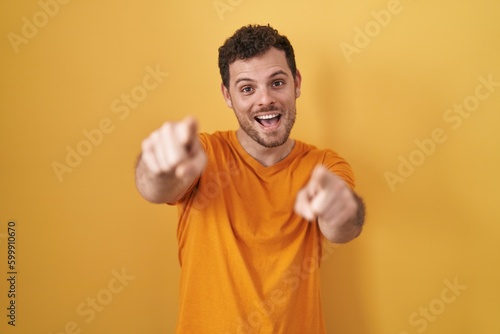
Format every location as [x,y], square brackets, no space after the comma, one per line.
[254,204]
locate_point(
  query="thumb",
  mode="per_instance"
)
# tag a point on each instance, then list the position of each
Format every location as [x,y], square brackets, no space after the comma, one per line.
[191,168]
[318,181]
[303,205]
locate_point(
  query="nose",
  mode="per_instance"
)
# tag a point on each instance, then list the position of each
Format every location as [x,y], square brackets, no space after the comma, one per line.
[265,97]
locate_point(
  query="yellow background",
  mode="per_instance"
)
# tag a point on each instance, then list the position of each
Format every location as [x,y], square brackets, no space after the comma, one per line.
[440,225]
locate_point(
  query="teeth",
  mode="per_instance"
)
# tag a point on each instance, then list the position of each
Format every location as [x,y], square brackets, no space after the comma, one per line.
[268,116]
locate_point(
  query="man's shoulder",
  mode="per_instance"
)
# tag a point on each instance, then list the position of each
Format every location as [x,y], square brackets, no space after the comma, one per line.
[327,157]
[312,151]
[217,138]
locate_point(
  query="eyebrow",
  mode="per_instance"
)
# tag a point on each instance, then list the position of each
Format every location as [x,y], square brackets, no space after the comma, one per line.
[279,72]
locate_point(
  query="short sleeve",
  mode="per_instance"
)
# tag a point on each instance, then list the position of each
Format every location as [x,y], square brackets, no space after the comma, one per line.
[338,165]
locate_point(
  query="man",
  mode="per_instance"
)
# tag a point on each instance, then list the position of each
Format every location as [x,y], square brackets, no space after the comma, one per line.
[254,204]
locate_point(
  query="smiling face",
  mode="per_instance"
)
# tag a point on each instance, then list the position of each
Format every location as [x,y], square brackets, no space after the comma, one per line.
[262,92]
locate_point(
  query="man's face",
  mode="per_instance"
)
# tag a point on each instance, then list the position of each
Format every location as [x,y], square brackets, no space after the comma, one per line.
[262,93]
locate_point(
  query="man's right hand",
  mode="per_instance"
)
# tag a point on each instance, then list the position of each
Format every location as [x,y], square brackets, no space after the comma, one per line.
[172,157]
[175,149]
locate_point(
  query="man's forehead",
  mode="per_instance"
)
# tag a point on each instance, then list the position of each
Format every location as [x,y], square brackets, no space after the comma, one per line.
[265,65]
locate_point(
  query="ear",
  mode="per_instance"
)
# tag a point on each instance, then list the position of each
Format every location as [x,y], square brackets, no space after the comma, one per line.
[226,95]
[297,82]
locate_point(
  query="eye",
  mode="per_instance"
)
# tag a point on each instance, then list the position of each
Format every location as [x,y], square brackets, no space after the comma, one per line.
[246,89]
[278,83]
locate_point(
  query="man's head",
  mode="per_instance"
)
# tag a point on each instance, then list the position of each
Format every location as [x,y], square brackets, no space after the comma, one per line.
[252,41]
[260,82]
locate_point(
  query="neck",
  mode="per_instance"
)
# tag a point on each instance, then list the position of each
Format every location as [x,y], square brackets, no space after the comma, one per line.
[266,156]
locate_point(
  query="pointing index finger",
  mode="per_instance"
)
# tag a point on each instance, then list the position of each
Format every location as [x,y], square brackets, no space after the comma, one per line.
[187,130]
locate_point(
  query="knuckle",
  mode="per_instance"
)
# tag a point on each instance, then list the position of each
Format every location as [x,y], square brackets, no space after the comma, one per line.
[145,145]
[150,163]
[166,131]
[167,125]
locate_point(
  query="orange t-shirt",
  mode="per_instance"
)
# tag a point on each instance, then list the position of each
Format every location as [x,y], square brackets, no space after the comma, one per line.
[249,263]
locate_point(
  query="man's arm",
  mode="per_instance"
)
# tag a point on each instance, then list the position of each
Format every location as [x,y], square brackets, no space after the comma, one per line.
[171,159]
[340,211]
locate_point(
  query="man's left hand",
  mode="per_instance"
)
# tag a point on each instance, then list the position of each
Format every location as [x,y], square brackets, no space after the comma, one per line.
[327,198]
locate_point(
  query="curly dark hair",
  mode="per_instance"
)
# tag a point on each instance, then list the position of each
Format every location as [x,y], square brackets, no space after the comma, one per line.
[251,41]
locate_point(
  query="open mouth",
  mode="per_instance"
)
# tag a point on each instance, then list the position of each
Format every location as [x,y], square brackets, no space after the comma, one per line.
[268,120]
